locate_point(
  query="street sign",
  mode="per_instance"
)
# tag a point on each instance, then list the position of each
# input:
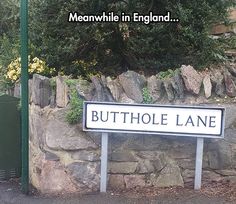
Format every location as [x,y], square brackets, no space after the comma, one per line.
[195,121]
[167,120]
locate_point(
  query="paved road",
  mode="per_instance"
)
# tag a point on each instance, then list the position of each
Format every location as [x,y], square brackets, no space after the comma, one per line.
[10,194]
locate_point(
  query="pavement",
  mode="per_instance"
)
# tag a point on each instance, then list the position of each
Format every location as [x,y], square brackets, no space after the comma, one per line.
[10,194]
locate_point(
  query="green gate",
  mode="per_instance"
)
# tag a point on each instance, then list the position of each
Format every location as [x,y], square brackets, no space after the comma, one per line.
[10,140]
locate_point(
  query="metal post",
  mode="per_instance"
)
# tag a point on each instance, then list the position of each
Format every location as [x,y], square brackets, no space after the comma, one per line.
[198,165]
[24,96]
[104,153]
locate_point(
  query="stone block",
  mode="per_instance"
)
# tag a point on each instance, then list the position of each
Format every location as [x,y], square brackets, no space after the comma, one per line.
[230,86]
[132,84]
[86,155]
[192,79]
[62,98]
[41,90]
[125,99]
[155,88]
[169,176]
[145,166]
[218,81]
[122,167]
[154,159]
[123,156]
[116,181]
[169,89]
[178,85]
[133,181]
[49,156]
[59,135]
[207,86]
[220,155]
[115,88]
[86,174]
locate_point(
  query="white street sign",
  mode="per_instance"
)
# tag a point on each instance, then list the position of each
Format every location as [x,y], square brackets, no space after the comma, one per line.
[195,121]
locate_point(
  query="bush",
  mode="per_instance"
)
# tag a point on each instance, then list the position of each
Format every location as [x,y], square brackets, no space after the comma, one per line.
[35,66]
[75,113]
[147,98]
[119,46]
[83,69]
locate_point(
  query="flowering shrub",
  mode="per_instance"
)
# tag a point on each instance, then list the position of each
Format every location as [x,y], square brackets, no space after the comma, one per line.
[35,66]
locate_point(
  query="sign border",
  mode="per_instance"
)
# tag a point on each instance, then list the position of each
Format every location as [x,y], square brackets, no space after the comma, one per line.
[105,130]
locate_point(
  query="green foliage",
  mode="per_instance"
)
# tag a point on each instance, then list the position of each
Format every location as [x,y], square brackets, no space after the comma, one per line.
[70,47]
[53,83]
[127,45]
[9,17]
[228,43]
[75,112]
[74,115]
[9,50]
[71,83]
[166,74]
[147,98]
[9,37]
[84,69]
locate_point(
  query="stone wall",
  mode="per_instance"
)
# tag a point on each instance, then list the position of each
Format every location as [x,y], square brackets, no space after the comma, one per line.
[64,159]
